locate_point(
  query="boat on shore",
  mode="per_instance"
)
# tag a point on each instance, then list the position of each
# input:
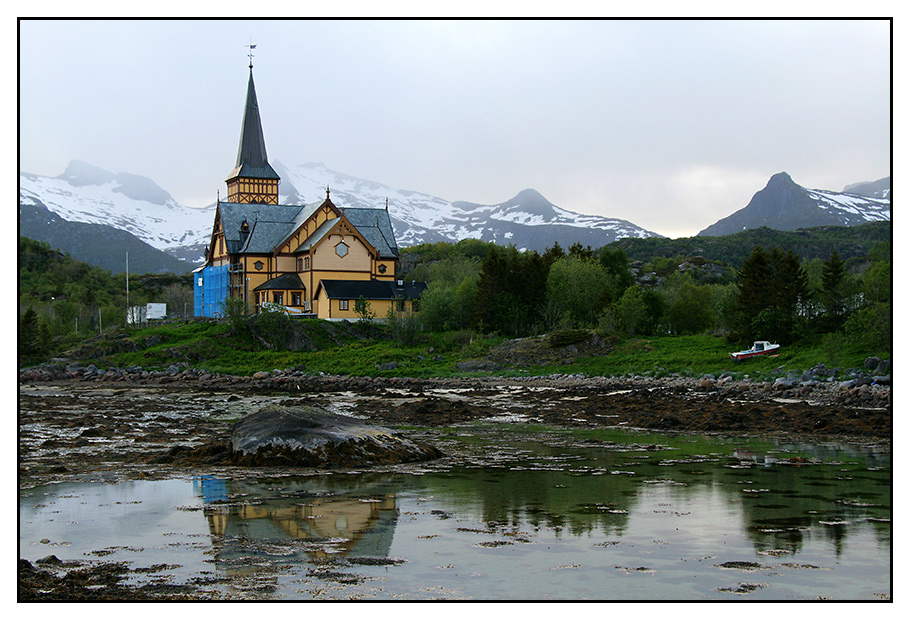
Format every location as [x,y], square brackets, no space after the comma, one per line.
[759,347]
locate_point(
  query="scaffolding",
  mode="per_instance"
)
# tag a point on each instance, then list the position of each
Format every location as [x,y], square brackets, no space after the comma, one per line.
[237,282]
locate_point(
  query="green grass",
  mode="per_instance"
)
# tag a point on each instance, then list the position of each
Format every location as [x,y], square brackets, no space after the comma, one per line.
[704,354]
[212,347]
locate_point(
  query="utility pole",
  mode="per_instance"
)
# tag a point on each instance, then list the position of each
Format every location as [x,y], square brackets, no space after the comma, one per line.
[127,287]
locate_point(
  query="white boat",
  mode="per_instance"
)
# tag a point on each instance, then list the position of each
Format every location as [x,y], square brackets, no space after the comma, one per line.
[759,347]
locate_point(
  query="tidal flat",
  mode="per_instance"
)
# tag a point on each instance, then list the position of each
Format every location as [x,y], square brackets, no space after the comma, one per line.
[543,493]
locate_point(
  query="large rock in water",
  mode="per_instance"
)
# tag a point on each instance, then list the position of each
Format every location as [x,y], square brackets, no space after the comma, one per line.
[313,437]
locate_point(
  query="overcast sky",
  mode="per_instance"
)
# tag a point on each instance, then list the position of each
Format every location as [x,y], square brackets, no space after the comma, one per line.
[671,125]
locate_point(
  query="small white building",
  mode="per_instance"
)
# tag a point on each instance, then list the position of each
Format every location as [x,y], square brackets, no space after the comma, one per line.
[146,313]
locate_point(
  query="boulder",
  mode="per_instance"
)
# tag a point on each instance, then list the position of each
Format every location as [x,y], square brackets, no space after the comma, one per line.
[309,436]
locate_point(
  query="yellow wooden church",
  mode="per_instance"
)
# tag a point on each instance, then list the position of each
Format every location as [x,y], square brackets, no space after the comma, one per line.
[312,260]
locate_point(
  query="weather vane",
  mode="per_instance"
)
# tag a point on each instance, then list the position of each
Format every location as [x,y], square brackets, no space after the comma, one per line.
[252,47]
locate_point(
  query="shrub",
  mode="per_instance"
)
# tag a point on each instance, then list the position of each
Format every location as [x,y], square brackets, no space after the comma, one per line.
[870,327]
[565,337]
[235,311]
[833,345]
[364,310]
[274,327]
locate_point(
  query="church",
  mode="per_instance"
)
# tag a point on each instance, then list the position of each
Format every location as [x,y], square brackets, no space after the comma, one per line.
[315,260]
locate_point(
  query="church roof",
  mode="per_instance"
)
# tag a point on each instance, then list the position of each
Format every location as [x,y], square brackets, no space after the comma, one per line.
[371,289]
[317,235]
[284,282]
[252,160]
[376,227]
[268,226]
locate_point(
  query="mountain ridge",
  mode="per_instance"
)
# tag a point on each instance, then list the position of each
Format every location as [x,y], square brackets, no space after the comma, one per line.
[97,244]
[785,205]
[137,205]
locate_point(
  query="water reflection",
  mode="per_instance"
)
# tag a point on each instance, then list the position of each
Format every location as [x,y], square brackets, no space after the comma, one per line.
[582,515]
[783,495]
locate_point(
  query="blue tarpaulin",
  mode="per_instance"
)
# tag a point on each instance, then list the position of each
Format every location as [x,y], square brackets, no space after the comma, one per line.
[210,291]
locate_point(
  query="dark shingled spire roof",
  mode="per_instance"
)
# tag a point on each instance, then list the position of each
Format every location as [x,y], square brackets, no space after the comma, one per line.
[252,160]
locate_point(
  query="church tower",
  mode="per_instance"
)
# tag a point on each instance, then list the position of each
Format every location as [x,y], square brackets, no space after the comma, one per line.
[252,180]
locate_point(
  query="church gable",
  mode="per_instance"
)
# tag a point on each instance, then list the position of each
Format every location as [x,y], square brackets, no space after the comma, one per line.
[308,221]
[339,246]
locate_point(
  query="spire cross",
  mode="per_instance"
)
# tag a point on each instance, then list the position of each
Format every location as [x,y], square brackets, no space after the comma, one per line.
[326,192]
[252,47]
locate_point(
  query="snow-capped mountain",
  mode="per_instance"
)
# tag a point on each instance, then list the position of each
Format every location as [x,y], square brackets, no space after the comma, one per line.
[784,205]
[104,246]
[86,194]
[872,189]
[528,220]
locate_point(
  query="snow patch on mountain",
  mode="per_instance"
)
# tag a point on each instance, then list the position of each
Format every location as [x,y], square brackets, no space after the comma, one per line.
[125,201]
[84,193]
[422,218]
[869,209]
[785,205]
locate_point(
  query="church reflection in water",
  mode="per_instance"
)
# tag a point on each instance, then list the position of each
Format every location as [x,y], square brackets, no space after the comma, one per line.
[255,534]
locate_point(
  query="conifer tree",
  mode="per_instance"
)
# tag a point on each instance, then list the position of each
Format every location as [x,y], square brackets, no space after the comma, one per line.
[771,285]
[28,334]
[832,296]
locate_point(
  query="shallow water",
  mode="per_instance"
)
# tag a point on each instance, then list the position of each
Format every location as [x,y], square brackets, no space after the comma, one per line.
[515,513]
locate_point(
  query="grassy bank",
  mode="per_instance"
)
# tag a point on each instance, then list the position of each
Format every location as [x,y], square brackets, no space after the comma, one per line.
[368,351]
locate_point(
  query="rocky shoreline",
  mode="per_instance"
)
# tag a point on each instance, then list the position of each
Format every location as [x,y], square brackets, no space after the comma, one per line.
[868,388]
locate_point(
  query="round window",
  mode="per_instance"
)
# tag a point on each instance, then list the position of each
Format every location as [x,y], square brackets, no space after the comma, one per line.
[341,249]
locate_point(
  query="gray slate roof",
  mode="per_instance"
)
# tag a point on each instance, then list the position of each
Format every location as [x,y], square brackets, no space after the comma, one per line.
[269,225]
[371,289]
[252,160]
[376,227]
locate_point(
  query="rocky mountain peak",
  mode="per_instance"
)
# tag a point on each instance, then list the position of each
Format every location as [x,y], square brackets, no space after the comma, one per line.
[779,180]
[785,205]
[80,174]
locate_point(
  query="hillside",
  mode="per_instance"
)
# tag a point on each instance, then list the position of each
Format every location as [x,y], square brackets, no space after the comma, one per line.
[96,244]
[732,250]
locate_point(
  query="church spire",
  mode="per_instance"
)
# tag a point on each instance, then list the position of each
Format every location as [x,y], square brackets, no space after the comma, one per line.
[252,179]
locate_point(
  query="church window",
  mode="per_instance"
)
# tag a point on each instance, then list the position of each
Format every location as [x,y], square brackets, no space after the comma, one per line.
[342,249]
[278,298]
[299,264]
[306,262]
[258,265]
[295,299]
[382,268]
